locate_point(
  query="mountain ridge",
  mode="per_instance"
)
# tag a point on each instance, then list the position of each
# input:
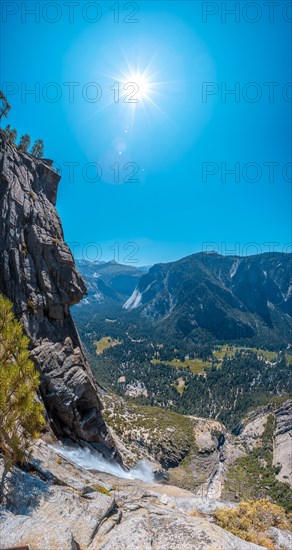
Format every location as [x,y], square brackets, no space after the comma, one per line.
[231,297]
[108,281]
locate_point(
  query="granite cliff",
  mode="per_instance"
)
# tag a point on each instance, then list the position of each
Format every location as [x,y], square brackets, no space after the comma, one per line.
[58,505]
[39,276]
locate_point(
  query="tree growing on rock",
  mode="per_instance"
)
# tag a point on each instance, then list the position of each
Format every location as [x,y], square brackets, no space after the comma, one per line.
[38,148]
[21,416]
[24,142]
[11,133]
[4,106]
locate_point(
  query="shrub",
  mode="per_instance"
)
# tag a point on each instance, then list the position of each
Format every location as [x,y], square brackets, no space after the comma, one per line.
[23,249]
[31,305]
[252,520]
[100,489]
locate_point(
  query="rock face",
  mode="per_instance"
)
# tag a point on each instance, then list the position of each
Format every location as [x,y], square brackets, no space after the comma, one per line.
[38,275]
[208,461]
[45,508]
[61,506]
[283,442]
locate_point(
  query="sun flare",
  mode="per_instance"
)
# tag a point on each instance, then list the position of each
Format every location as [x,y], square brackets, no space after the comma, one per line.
[143,85]
[138,88]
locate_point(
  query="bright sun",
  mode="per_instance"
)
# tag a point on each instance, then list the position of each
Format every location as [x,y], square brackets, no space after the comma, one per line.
[137,89]
[143,84]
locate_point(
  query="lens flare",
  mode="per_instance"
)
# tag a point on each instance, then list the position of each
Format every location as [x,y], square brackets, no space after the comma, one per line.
[136,86]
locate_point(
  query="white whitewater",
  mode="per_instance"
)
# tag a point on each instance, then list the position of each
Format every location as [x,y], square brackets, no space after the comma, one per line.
[93,460]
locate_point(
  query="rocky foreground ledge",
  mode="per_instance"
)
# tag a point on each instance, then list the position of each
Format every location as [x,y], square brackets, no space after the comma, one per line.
[38,274]
[56,505]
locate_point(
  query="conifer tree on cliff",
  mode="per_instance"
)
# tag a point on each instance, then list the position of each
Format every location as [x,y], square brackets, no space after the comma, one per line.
[38,148]
[11,133]
[24,142]
[21,417]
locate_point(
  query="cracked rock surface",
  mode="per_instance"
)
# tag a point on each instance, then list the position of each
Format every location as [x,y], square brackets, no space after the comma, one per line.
[59,505]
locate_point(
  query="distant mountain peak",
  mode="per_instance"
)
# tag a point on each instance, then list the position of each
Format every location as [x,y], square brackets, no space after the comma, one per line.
[231,297]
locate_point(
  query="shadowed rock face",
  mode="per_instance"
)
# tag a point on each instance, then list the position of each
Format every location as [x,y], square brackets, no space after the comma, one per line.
[38,274]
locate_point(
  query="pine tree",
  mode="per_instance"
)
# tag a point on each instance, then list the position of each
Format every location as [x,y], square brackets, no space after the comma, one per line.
[10,133]
[24,142]
[38,148]
[21,417]
[4,106]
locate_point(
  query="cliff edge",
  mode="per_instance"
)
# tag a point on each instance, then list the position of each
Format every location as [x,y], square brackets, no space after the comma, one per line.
[38,274]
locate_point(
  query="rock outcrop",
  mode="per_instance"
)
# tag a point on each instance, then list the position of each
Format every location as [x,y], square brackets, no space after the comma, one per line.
[58,505]
[283,442]
[38,274]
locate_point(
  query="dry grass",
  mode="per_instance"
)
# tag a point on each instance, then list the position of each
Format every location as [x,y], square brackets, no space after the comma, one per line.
[105,343]
[252,520]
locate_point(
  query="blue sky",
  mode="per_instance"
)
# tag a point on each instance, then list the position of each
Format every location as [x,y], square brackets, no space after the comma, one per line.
[181,137]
